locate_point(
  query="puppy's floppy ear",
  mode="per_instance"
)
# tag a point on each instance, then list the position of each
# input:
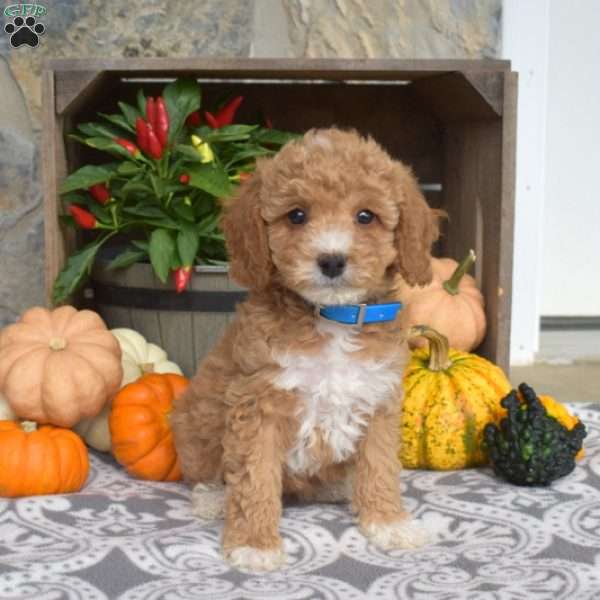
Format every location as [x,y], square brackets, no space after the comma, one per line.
[417,230]
[246,236]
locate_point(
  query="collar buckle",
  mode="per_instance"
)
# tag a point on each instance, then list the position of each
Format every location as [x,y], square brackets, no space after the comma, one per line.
[362,311]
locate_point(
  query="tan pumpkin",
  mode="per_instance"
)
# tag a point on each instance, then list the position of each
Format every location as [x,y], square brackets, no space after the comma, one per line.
[58,366]
[6,413]
[449,397]
[451,304]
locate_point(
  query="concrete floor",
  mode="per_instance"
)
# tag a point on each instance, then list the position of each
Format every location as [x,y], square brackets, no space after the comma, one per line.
[567,366]
[576,382]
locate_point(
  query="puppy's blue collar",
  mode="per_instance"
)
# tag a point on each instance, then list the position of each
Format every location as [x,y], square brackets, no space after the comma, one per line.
[359,314]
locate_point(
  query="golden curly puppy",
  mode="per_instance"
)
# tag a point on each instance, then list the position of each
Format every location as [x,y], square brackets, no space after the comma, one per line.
[293,401]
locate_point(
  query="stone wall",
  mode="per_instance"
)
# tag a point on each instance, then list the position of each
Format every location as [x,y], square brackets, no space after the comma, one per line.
[111,28]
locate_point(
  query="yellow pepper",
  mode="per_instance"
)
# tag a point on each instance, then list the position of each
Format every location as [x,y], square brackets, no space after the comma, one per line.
[203,148]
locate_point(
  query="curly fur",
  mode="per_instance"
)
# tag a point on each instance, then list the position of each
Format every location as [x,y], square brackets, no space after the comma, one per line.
[288,403]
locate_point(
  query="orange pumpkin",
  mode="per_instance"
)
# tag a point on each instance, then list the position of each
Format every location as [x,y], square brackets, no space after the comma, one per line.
[140,430]
[451,304]
[59,366]
[33,461]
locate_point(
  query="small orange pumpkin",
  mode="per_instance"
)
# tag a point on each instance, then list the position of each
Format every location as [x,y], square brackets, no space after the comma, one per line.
[140,430]
[451,304]
[33,461]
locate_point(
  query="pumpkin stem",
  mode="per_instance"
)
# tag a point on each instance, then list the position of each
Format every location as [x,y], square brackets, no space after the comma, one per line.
[438,346]
[57,343]
[28,426]
[451,285]
[147,367]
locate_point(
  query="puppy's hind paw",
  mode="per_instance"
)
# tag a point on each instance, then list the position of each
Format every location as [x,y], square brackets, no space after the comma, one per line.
[397,535]
[208,501]
[247,558]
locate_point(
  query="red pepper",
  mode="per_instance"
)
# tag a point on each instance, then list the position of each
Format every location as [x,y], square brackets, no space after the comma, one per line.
[141,128]
[151,112]
[182,278]
[244,176]
[184,178]
[194,119]
[226,115]
[100,193]
[83,218]
[211,120]
[129,146]
[154,148]
[162,122]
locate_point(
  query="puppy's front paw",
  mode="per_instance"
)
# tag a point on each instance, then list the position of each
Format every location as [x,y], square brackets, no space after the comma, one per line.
[208,501]
[247,558]
[396,535]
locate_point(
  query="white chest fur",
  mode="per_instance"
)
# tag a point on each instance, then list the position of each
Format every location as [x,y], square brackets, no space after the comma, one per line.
[338,393]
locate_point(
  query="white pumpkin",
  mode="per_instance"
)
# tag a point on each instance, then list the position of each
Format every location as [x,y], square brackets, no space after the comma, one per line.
[6,414]
[138,356]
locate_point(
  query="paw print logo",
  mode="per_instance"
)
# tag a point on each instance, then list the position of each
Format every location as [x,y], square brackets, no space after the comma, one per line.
[24,31]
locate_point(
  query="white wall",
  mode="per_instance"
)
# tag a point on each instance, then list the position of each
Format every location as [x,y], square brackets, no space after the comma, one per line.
[571,238]
[525,43]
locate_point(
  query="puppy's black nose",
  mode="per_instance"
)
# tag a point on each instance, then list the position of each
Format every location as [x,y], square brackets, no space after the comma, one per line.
[331,265]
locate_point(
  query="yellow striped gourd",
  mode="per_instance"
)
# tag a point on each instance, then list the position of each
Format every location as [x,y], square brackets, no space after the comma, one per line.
[449,397]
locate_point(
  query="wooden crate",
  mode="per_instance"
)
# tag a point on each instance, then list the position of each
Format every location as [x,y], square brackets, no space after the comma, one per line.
[453,121]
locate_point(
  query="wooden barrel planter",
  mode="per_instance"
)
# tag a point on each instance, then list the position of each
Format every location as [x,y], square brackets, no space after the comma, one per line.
[186,325]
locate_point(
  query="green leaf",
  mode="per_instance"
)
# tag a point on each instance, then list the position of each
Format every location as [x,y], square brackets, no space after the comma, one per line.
[166,223]
[145,210]
[176,262]
[118,120]
[187,244]
[126,259]
[107,145]
[136,186]
[128,168]
[84,178]
[209,224]
[158,185]
[99,211]
[142,245]
[75,198]
[99,130]
[130,113]
[274,136]
[211,178]
[230,133]
[181,98]
[189,152]
[76,271]
[172,188]
[141,102]
[162,249]
[251,152]
[183,209]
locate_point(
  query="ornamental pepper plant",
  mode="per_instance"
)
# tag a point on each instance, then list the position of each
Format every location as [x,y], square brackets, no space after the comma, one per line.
[159,197]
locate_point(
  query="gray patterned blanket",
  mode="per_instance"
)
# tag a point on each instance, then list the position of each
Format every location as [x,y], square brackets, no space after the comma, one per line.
[131,540]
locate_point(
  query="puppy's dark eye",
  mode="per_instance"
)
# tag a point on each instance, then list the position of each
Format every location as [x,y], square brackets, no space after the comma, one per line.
[297,216]
[364,217]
